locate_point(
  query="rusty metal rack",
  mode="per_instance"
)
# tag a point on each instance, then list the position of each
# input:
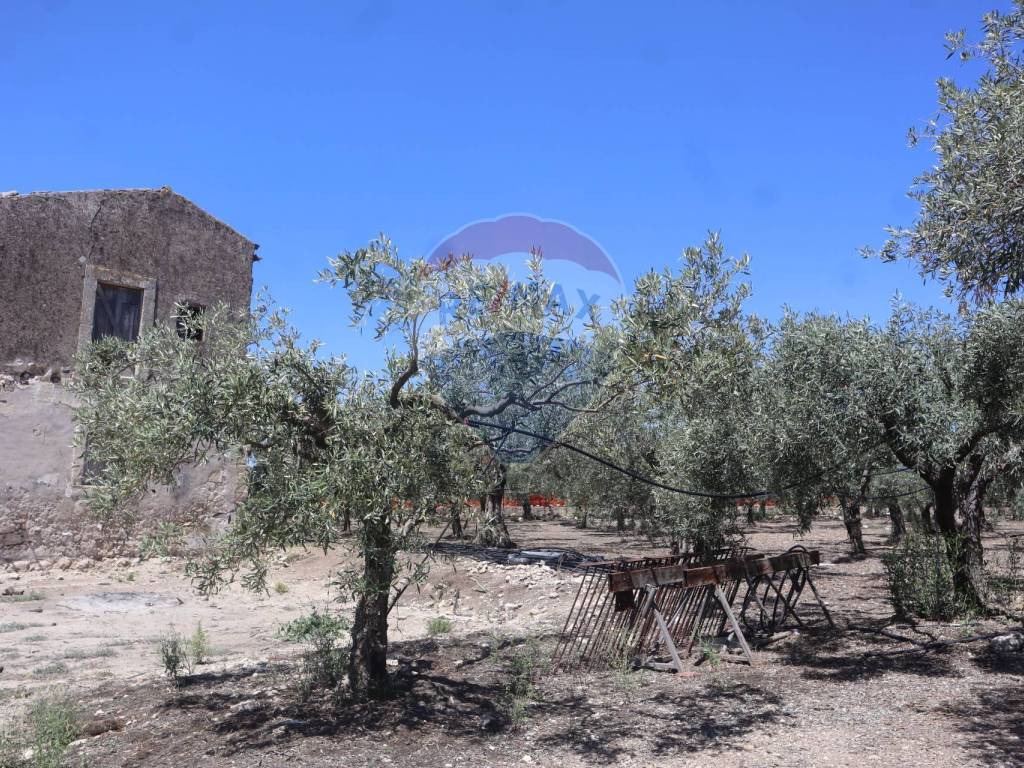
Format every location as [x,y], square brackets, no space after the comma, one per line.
[639,611]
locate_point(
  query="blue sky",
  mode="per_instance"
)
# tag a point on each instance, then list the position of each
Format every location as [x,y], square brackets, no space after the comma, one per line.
[310,127]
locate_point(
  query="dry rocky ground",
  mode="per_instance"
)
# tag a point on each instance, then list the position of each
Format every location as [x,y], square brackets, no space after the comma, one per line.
[871,693]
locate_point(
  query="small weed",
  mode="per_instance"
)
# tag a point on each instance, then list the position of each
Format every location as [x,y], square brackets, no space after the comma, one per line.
[625,675]
[15,626]
[174,656]
[710,653]
[51,724]
[439,625]
[281,588]
[51,670]
[35,638]
[199,645]
[520,690]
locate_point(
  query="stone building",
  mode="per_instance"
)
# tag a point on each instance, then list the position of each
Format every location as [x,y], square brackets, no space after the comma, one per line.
[75,266]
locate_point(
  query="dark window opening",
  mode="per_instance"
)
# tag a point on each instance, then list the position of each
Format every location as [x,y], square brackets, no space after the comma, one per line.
[117,312]
[92,468]
[188,321]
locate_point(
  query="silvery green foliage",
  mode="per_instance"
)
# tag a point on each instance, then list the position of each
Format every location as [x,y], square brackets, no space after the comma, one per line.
[947,391]
[971,222]
[686,344]
[626,433]
[483,346]
[927,389]
[313,438]
[939,396]
[815,436]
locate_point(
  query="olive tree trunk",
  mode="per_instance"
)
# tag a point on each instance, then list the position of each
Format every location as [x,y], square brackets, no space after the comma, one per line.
[367,665]
[854,526]
[963,496]
[899,525]
[493,531]
[456,521]
[527,509]
[927,525]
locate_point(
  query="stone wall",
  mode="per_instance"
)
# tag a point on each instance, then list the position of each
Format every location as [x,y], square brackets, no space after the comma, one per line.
[44,516]
[51,242]
[53,249]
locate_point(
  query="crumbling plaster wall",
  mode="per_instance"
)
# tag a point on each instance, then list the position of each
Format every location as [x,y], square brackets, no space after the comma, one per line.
[43,512]
[47,240]
[49,244]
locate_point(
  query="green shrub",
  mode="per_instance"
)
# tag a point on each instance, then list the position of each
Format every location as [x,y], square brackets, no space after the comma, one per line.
[199,645]
[50,725]
[439,625]
[919,575]
[323,659]
[53,724]
[174,656]
[520,690]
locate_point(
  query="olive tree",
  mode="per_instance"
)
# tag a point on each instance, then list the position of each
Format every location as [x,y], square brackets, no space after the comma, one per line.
[970,228]
[815,435]
[687,345]
[495,354]
[940,397]
[317,444]
[949,398]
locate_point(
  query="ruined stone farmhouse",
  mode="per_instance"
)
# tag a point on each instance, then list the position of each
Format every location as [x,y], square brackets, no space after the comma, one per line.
[74,267]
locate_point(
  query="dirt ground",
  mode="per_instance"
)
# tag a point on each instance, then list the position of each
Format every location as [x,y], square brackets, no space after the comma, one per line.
[869,693]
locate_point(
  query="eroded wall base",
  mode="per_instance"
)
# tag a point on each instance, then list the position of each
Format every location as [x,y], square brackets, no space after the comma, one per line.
[44,516]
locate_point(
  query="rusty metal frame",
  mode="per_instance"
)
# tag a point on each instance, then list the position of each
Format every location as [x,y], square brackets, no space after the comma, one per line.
[637,611]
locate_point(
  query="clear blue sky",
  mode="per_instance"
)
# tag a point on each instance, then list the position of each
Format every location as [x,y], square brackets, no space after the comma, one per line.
[310,127]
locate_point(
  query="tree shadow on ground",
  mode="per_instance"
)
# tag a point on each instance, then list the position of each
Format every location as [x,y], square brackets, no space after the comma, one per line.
[991,725]
[868,651]
[719,714]
[420,697]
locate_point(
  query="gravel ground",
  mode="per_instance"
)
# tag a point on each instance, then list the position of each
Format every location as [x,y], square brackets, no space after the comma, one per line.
[873,692]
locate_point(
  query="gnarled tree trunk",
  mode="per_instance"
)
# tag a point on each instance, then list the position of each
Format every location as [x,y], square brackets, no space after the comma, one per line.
[852,521]
[963,538]
[367,665]
[456,521]
[493,532]
[527,509]
[899,526]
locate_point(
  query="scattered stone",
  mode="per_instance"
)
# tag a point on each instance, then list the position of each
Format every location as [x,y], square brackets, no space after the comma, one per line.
[100,725]
[242,707]
[1011,643]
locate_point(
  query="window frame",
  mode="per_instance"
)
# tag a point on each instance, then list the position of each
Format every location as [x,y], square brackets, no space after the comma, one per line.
[93,277]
